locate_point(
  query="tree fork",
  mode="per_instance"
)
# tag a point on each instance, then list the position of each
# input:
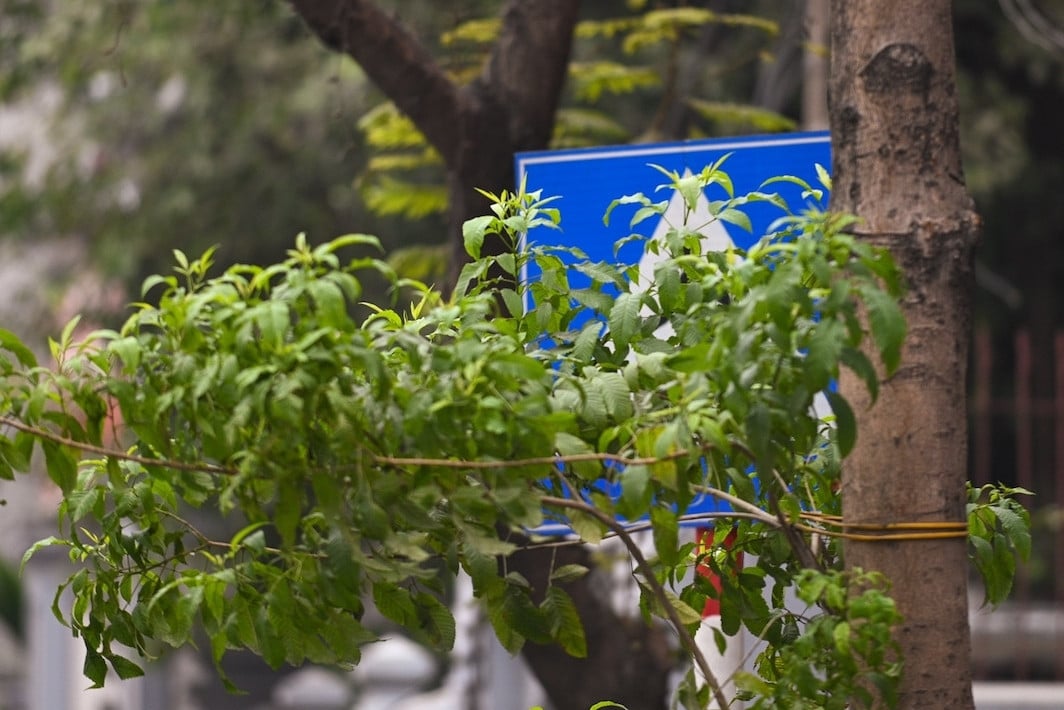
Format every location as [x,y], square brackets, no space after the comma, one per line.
[476,128]
[896,154]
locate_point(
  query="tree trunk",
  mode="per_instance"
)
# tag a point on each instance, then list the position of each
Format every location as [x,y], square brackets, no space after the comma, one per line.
[477,128]
[894,118]
[509,108]
[627,661]
[815,67]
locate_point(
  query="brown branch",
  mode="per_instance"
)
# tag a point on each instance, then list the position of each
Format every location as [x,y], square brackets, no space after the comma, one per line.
[528,67]
[921,530]
[532,461]
[394,60]
[686,640]
[112,453]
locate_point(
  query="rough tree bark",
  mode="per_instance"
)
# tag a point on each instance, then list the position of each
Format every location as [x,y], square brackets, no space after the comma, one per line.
[894,121]
[477,128]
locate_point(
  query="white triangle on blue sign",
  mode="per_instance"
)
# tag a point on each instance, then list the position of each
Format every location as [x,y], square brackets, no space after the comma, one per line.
[715,237]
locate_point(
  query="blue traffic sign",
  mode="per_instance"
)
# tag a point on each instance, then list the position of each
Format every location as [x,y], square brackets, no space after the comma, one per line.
[587,180]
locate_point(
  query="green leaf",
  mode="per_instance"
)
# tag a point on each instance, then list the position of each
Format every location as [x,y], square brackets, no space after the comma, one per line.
[861,366]
[600,272]
[289,509]
[691,360]
[347,240]
[668,279]
[740,115]
[12,452]
[436,621]
[635,491]
[256,542]
[181,259]
[514,305]
[588,528]
[565,624]
[585,342]
[568,445]
[666,528]
[1016,529]
[841,636]
[473,232]
[615,394]
[271,645]
[502,624]
[244,533]
[638,199]
[67,335]
[125,668]
[624,320]
[845,422]
[887,324]
[95,667]
[759,429]
[508,263]
[155,280]
[686,614]
[824,351]
[568,573]
[395,603]
[690,187]
[11,342]
[273,321]
[62,465]
[84,501]
[387,195]
[737,217]
[51,541]
[329,300]
[824,176]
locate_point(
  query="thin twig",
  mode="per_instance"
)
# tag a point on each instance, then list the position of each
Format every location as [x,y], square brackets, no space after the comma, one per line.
[533,461]
[741,504]
[655,586]
[641,525]
[200,467]
[931,530]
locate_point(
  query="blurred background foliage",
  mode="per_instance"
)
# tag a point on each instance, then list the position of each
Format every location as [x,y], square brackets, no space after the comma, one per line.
[194,123]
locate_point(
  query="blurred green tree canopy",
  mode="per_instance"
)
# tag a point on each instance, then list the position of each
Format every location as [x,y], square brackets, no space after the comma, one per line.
[185,125]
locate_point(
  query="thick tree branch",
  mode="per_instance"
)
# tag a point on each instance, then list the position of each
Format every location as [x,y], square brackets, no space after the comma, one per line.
[529,64]
[394,60]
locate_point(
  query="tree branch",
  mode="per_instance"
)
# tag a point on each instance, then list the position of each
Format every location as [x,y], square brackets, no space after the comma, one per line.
[394,60]
[656,588]
[529,64]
